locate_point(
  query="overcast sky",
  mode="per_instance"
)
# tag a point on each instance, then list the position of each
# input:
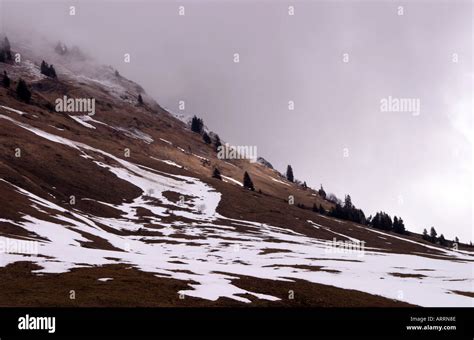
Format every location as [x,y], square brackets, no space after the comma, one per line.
[415,166]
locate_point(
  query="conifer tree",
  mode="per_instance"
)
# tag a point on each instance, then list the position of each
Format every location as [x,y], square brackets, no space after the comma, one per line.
[5,80]
[398,225]
[52,72]
[248,182]
[321,192]
[217,142]
[382,221]
[442,240]
[6,48]
[197,124]
[217,174]
[140,99]
[289,174]
[425,235]
[44,68]
[48,70]
[433,234]
[348,202]
[206,138]
[22,91]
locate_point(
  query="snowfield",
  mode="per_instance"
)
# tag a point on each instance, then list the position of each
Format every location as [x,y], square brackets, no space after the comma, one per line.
[219,251]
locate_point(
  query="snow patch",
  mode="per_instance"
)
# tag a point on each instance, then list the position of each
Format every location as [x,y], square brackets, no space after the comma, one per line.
[166,141]
[231,180]
[83,121]
[105,279]
[278,181]
[168,162]
[12,110]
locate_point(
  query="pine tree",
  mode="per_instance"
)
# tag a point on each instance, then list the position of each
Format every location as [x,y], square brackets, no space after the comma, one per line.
[217,142]
[52,72]
[382,221]
[401,226]
[140,99]
[456,239]
[22,91]
[206,138]
[433,235]
[321,192]
[197,124]
[44,68]
[398,225]
[348,202]
[305,186]
[442,240]
[7,50]
[387,224]
[425,235]
[337,211]
[5,80]
[248,182]
[289,174]
[48,70]
[217,174]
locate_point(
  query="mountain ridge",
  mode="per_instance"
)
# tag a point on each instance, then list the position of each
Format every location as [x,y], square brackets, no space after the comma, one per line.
[132,186]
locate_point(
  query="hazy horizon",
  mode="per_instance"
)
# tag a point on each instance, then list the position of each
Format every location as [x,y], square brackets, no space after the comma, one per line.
[418,167]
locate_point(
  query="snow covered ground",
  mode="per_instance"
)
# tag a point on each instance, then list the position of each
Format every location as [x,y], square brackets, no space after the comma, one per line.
[220,246]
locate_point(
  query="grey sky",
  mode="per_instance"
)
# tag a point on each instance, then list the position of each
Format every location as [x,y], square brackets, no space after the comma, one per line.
[419,167]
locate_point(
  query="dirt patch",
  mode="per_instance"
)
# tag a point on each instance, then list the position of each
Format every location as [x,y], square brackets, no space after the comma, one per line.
[175,197]
[95,242]
[306,267]
[130,287]
[306,294]
[273,251]
[459,292]
[415,276]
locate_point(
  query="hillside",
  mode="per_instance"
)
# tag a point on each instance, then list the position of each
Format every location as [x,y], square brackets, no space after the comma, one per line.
[125,212]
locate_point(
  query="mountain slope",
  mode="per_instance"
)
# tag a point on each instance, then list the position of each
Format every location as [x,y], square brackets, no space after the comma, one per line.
[127,195]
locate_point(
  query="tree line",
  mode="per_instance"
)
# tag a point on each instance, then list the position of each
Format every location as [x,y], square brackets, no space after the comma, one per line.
[22,91]
[347,211]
